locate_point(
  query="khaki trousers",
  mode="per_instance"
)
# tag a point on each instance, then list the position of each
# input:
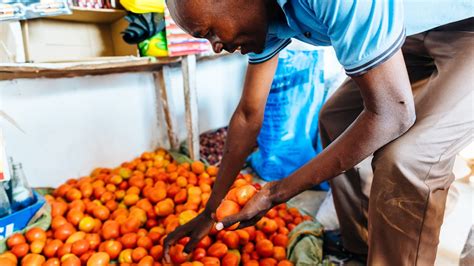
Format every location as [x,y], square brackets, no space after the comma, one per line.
[399,222]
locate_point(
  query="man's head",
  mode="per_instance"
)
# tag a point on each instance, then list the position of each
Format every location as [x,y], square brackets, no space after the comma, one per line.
[227,24]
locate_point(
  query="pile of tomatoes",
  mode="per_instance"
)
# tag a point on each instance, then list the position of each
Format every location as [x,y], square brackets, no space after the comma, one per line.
[122,215]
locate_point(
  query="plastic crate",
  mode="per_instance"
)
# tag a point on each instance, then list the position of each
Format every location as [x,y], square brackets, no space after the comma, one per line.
[19,220]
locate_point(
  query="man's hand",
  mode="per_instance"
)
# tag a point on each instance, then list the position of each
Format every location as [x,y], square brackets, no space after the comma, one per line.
[196,229]
[254,210]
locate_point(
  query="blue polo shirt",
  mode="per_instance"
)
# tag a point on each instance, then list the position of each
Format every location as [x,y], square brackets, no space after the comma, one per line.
[364,33]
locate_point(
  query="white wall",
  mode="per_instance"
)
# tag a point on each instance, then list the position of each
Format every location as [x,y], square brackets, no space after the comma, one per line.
[75,124]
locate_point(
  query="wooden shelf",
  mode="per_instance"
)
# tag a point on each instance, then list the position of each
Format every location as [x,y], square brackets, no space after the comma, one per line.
[93,66]
[92,15]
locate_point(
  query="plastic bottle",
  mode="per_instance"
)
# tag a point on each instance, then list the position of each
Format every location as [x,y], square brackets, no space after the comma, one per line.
[22,194]
[5,208]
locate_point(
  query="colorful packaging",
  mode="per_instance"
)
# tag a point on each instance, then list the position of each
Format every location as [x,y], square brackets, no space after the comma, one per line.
[144,6]
[14,11]
[33,9]
[154,46]
[180,43]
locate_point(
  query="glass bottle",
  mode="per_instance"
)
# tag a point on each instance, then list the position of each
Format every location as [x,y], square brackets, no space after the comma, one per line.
[5,208]
[22,194]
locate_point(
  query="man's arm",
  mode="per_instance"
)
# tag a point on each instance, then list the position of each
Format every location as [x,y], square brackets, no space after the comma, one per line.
[388,113]
[243,128]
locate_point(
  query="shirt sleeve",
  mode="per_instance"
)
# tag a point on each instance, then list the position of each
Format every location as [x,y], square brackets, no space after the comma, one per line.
[364,33]
[273,45]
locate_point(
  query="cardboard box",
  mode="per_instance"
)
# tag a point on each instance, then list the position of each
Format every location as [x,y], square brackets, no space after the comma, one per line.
[85,35]
[19,220]
[11,42]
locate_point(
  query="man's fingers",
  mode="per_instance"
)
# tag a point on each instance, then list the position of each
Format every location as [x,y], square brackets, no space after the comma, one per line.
[230,220]
[192,243]
[249,222]
[172,238]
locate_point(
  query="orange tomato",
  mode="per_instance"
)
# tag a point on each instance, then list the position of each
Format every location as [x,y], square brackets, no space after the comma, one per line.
[101,213]
[268,262]
[125,256]
[181,196]
[131,225]
[99,259]
[157,194]
[75,237]
[33,260]
[177,255]
[231,259]
[231,239]
[285,263]
[37,246]
[7,262]
[145,242]
[57,222]
[86,256]
[138,254]
[113,248]
[94,240]
[129,240]
[164,207]
[52,247]
[15,239]
[249,247]
[74,216]
[146,261]
[198,254]
[186,216]
[157,252]
[52,262]
[197,167]
[64,250]
[80,247]
[244,194]
[64,231]
[110,230]
[217,250]
[227,208]
[280,240]
[20,250]
[73,194]
[87,224]
[231,195]
[70,260]
[244,236]
[35,233]
[7,255]
[264,248]
[211,261]
[279,253]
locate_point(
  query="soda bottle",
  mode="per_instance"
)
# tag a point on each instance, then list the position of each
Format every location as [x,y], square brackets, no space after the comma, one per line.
[5,208]
[22,194]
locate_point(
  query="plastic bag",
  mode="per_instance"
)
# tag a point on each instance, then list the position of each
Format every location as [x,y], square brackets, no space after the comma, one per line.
[144,6]
[289,135]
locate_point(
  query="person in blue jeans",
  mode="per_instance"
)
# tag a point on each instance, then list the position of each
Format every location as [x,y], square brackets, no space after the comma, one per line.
[407,101]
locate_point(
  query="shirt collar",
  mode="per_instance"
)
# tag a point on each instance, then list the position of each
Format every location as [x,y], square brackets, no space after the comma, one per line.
[284,29]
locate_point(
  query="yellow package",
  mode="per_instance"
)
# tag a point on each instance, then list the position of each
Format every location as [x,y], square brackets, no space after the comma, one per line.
[144,6]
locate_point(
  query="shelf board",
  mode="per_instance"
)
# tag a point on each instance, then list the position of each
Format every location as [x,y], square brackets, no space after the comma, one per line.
[93,66]
[92,15]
